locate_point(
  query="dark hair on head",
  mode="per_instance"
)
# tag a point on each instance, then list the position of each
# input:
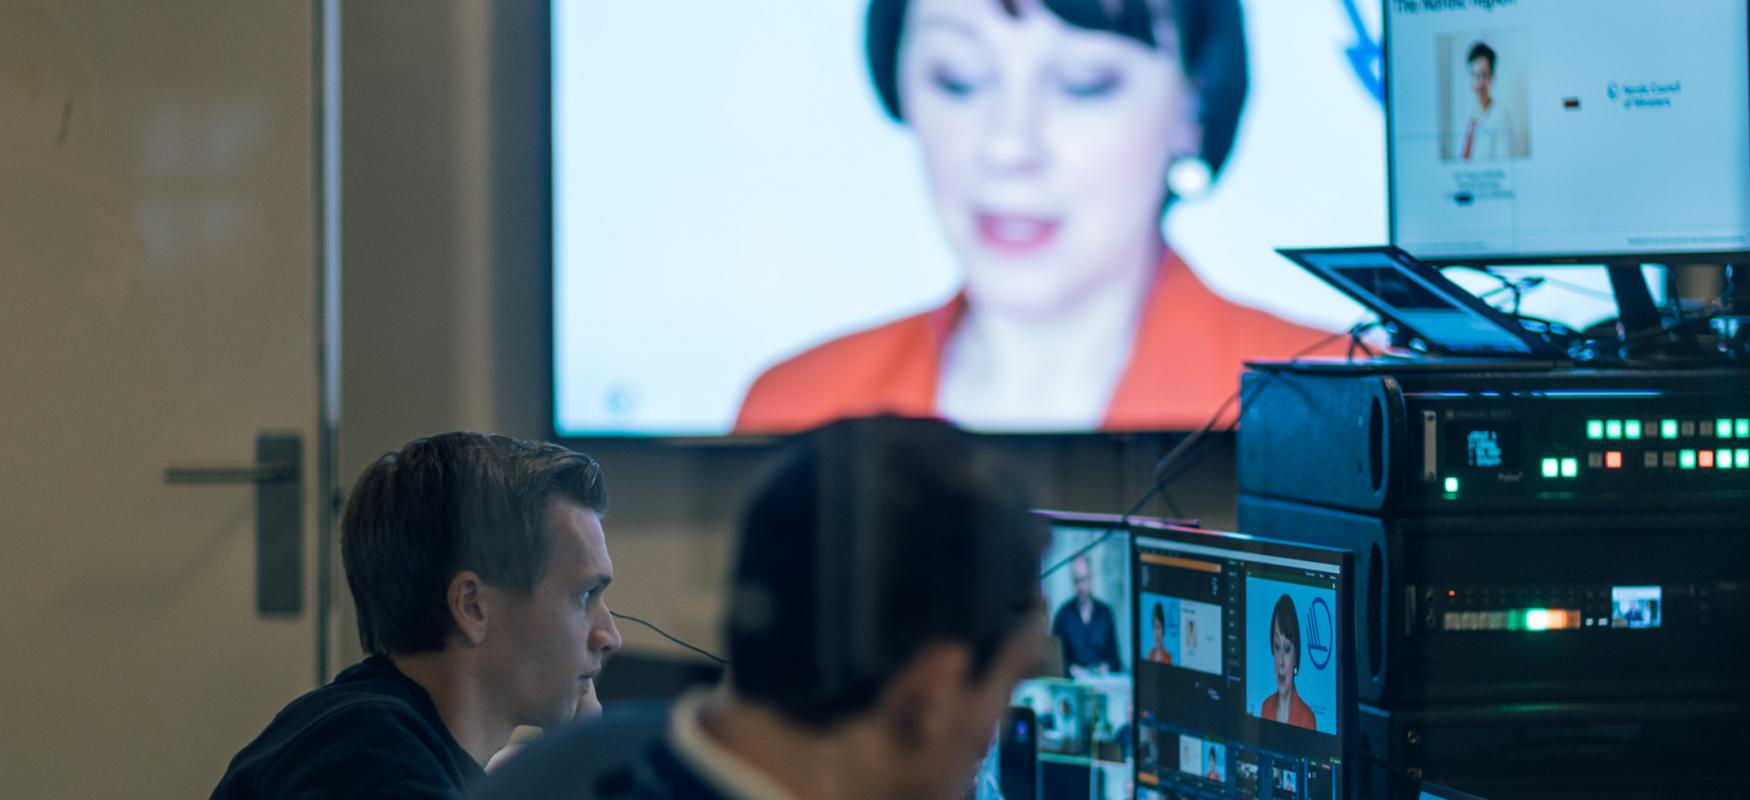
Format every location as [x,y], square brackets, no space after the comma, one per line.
[872,540]
[1483,51]
[448,503]
[1160,616]
[1286,620]
[1212,48]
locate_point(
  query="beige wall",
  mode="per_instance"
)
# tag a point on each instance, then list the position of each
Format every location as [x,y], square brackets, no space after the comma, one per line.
[445,287]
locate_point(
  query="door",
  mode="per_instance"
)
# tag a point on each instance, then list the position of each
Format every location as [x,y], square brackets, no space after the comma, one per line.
[158,307]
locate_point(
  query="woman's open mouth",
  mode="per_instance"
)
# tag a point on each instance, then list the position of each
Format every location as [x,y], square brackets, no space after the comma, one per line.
[1016,234]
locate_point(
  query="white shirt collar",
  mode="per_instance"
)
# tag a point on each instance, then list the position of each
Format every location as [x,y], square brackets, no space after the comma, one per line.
[724,770]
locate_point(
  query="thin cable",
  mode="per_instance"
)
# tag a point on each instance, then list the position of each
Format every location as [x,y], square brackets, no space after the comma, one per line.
[1172,507]
[1581,290]
[1163,475]
[1516,288]
[1167,469]
[665,634]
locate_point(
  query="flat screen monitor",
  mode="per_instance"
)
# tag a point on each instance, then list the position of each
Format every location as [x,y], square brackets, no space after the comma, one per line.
[1243,678]
[1525,131]
[766,215]
[1080,707]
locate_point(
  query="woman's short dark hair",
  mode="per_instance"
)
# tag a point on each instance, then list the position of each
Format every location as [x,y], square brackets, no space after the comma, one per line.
[1160,615]
[1286,620]
[871,540]
[1212,48]
[1482,51]
[448,503]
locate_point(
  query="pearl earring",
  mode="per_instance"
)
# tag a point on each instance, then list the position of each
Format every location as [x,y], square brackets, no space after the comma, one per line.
[1189,177]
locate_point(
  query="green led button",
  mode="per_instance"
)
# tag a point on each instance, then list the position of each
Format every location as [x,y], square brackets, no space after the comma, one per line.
[1594,429]
[1668,429]
[1686,459]
[1551,468]
[1613,429]
[1570,467]
[1452,486]
[1723,459]
[1723,428]
[1741,428]
[1742,458]
[1632,429]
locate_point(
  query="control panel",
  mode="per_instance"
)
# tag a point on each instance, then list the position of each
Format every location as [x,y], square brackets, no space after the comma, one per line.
[1557,445]
[1581,608]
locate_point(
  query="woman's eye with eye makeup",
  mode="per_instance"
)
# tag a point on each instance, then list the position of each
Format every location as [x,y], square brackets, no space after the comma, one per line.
[1091,85]
[952,82]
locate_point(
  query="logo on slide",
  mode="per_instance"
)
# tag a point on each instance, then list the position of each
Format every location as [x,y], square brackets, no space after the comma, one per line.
[1366,56]
[1318,633]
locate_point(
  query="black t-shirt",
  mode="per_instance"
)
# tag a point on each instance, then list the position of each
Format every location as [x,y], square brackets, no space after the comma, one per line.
[373,732]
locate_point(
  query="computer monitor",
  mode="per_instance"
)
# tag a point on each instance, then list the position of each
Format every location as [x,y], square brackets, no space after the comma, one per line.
[1243,680]
[1574,131]
[1080,706]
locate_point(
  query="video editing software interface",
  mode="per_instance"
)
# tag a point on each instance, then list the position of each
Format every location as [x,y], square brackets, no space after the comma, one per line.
[1239,677]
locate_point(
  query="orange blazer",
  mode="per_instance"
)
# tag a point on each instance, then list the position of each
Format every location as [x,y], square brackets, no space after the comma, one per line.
[1185,361]
[1300,714]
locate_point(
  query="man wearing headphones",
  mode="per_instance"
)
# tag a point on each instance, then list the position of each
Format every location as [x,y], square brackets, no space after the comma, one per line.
[885,603]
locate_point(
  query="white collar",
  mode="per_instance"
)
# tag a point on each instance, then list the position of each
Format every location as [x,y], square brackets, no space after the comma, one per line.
[724,770]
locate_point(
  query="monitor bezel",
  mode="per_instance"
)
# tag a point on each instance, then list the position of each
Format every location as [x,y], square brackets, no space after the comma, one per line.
[1439,792]
[1344,560]
[1502,260]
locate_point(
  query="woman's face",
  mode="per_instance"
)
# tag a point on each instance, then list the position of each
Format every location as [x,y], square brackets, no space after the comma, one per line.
[1482,78]
[1282,649]
[1160,632]
[1046,145]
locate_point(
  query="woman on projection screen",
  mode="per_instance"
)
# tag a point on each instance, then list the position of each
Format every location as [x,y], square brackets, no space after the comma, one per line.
[1056,134]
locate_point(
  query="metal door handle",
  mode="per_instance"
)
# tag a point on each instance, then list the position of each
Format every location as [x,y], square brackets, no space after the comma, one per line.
[264,472]
[278,476]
